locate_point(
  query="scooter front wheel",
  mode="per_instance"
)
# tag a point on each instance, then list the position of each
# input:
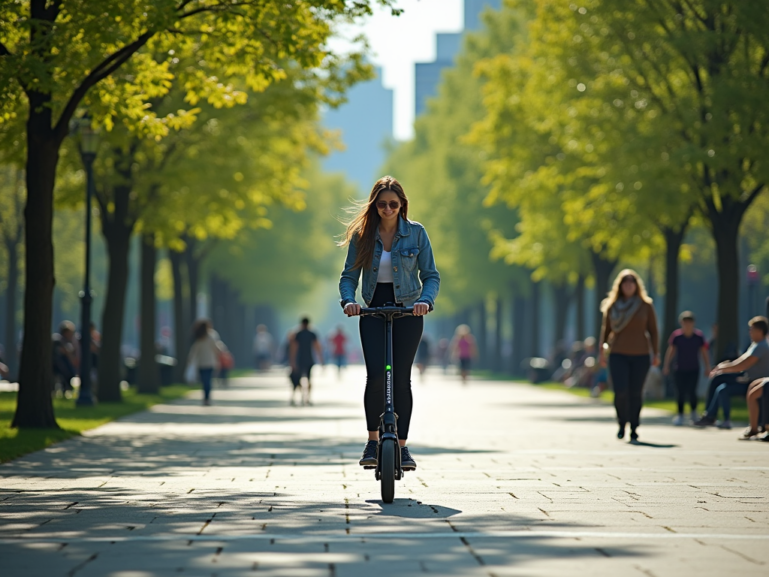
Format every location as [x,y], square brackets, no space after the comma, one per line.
[387,467]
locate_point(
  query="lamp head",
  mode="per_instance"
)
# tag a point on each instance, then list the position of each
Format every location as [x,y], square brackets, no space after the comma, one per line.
[87,135]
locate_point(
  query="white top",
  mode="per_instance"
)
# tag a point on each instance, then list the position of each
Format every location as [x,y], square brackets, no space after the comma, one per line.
[385,267]
[204,353]
[263,343]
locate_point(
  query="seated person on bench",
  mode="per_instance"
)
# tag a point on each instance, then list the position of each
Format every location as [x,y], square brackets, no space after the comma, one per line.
[758,403]
[731,378]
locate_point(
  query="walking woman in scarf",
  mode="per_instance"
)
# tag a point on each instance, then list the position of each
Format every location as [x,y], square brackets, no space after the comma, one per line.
[630,329]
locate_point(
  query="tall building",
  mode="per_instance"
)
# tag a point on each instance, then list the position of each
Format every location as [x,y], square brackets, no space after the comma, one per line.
[427,75]
[366,124]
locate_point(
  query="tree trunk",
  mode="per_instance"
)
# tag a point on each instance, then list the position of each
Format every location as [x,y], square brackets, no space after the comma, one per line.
[34,408]
[579,295]
[149,375]
[11,290]
[673,240]
[117,229]
[561,303]
[181,323]
[193,276]
[519,335]
[726,234]
[497,353]
[602,269]
[534,319]
[483,357]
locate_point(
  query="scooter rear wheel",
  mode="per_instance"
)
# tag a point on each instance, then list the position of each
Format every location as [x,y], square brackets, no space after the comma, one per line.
[387,465]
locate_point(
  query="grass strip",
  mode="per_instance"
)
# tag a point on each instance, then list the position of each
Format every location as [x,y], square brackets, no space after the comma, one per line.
[739,408]
[73,420]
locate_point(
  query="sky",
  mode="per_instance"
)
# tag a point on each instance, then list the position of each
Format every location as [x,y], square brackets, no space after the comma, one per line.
[398,42]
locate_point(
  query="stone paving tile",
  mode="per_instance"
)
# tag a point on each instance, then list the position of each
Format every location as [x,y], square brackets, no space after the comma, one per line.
[532,482]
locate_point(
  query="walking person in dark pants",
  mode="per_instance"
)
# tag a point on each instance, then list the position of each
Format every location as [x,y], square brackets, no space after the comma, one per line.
[301,347]
[630,328]
[687,345]
[204,355]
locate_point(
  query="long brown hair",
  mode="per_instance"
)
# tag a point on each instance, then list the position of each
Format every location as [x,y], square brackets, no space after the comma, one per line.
[200,329]
[616,289]
[362,228]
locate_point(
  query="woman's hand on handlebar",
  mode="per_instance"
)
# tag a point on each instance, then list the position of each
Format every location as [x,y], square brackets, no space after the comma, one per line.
[421,309]
[352,309]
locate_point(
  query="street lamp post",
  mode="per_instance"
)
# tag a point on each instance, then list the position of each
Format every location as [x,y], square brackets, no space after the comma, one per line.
[753,279]
[89,142]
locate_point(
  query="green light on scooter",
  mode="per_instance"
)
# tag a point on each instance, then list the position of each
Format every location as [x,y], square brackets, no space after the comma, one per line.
[388,367]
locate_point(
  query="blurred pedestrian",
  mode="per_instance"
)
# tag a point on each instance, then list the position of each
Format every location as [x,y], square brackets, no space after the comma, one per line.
[423,355]
[204,355]
[303,344]
[339,348]
[687,346]
[630,326]
[4,372]
[464,350]
[264,348]
[226,363]
[66,357]
[444,354]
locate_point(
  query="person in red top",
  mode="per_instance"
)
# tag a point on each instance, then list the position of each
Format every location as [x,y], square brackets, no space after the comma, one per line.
[687,345]
[339,348]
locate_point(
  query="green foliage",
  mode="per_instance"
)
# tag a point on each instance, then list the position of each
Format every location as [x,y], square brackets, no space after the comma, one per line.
[279,264]
[64,49]
[73,420]
[568,163]
[442,174]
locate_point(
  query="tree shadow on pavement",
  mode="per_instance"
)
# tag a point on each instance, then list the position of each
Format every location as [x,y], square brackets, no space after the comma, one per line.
[653,445]
[99,533]
[159,494]
[412,509]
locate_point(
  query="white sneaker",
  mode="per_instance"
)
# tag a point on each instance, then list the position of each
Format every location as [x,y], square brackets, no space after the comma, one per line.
[694,416]
[678,421]
[724,424]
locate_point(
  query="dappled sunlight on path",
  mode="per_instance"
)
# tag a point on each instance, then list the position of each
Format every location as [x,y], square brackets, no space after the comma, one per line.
[512,480]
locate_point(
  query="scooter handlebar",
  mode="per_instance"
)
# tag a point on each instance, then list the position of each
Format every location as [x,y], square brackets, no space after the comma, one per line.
[374,311]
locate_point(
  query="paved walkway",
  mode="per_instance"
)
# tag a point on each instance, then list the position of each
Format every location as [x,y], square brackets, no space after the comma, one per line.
[512,480]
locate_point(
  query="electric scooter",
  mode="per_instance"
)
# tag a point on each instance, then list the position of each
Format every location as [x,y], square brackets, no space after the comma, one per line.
[388,468]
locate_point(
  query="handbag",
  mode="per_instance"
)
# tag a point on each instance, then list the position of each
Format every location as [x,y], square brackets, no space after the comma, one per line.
[190,374]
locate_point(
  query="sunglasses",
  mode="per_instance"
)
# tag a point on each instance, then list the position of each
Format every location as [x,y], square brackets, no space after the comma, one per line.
[383,204]
[629,279]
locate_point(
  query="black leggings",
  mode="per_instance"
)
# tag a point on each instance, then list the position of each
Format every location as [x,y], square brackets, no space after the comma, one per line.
[407,332]
[686,387]
[628,373]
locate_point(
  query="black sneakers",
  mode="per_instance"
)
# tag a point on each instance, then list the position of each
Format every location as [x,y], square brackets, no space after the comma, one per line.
[407,461]
[369,458]
[705,421]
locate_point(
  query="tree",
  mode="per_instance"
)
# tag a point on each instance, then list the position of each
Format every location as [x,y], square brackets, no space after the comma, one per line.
[53,53]
[149,376]
[552,133]
[253,262]
[702,68]
[442,172]
[11,228]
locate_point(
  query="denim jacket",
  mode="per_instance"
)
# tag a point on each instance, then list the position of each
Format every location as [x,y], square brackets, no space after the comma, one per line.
[412,262]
